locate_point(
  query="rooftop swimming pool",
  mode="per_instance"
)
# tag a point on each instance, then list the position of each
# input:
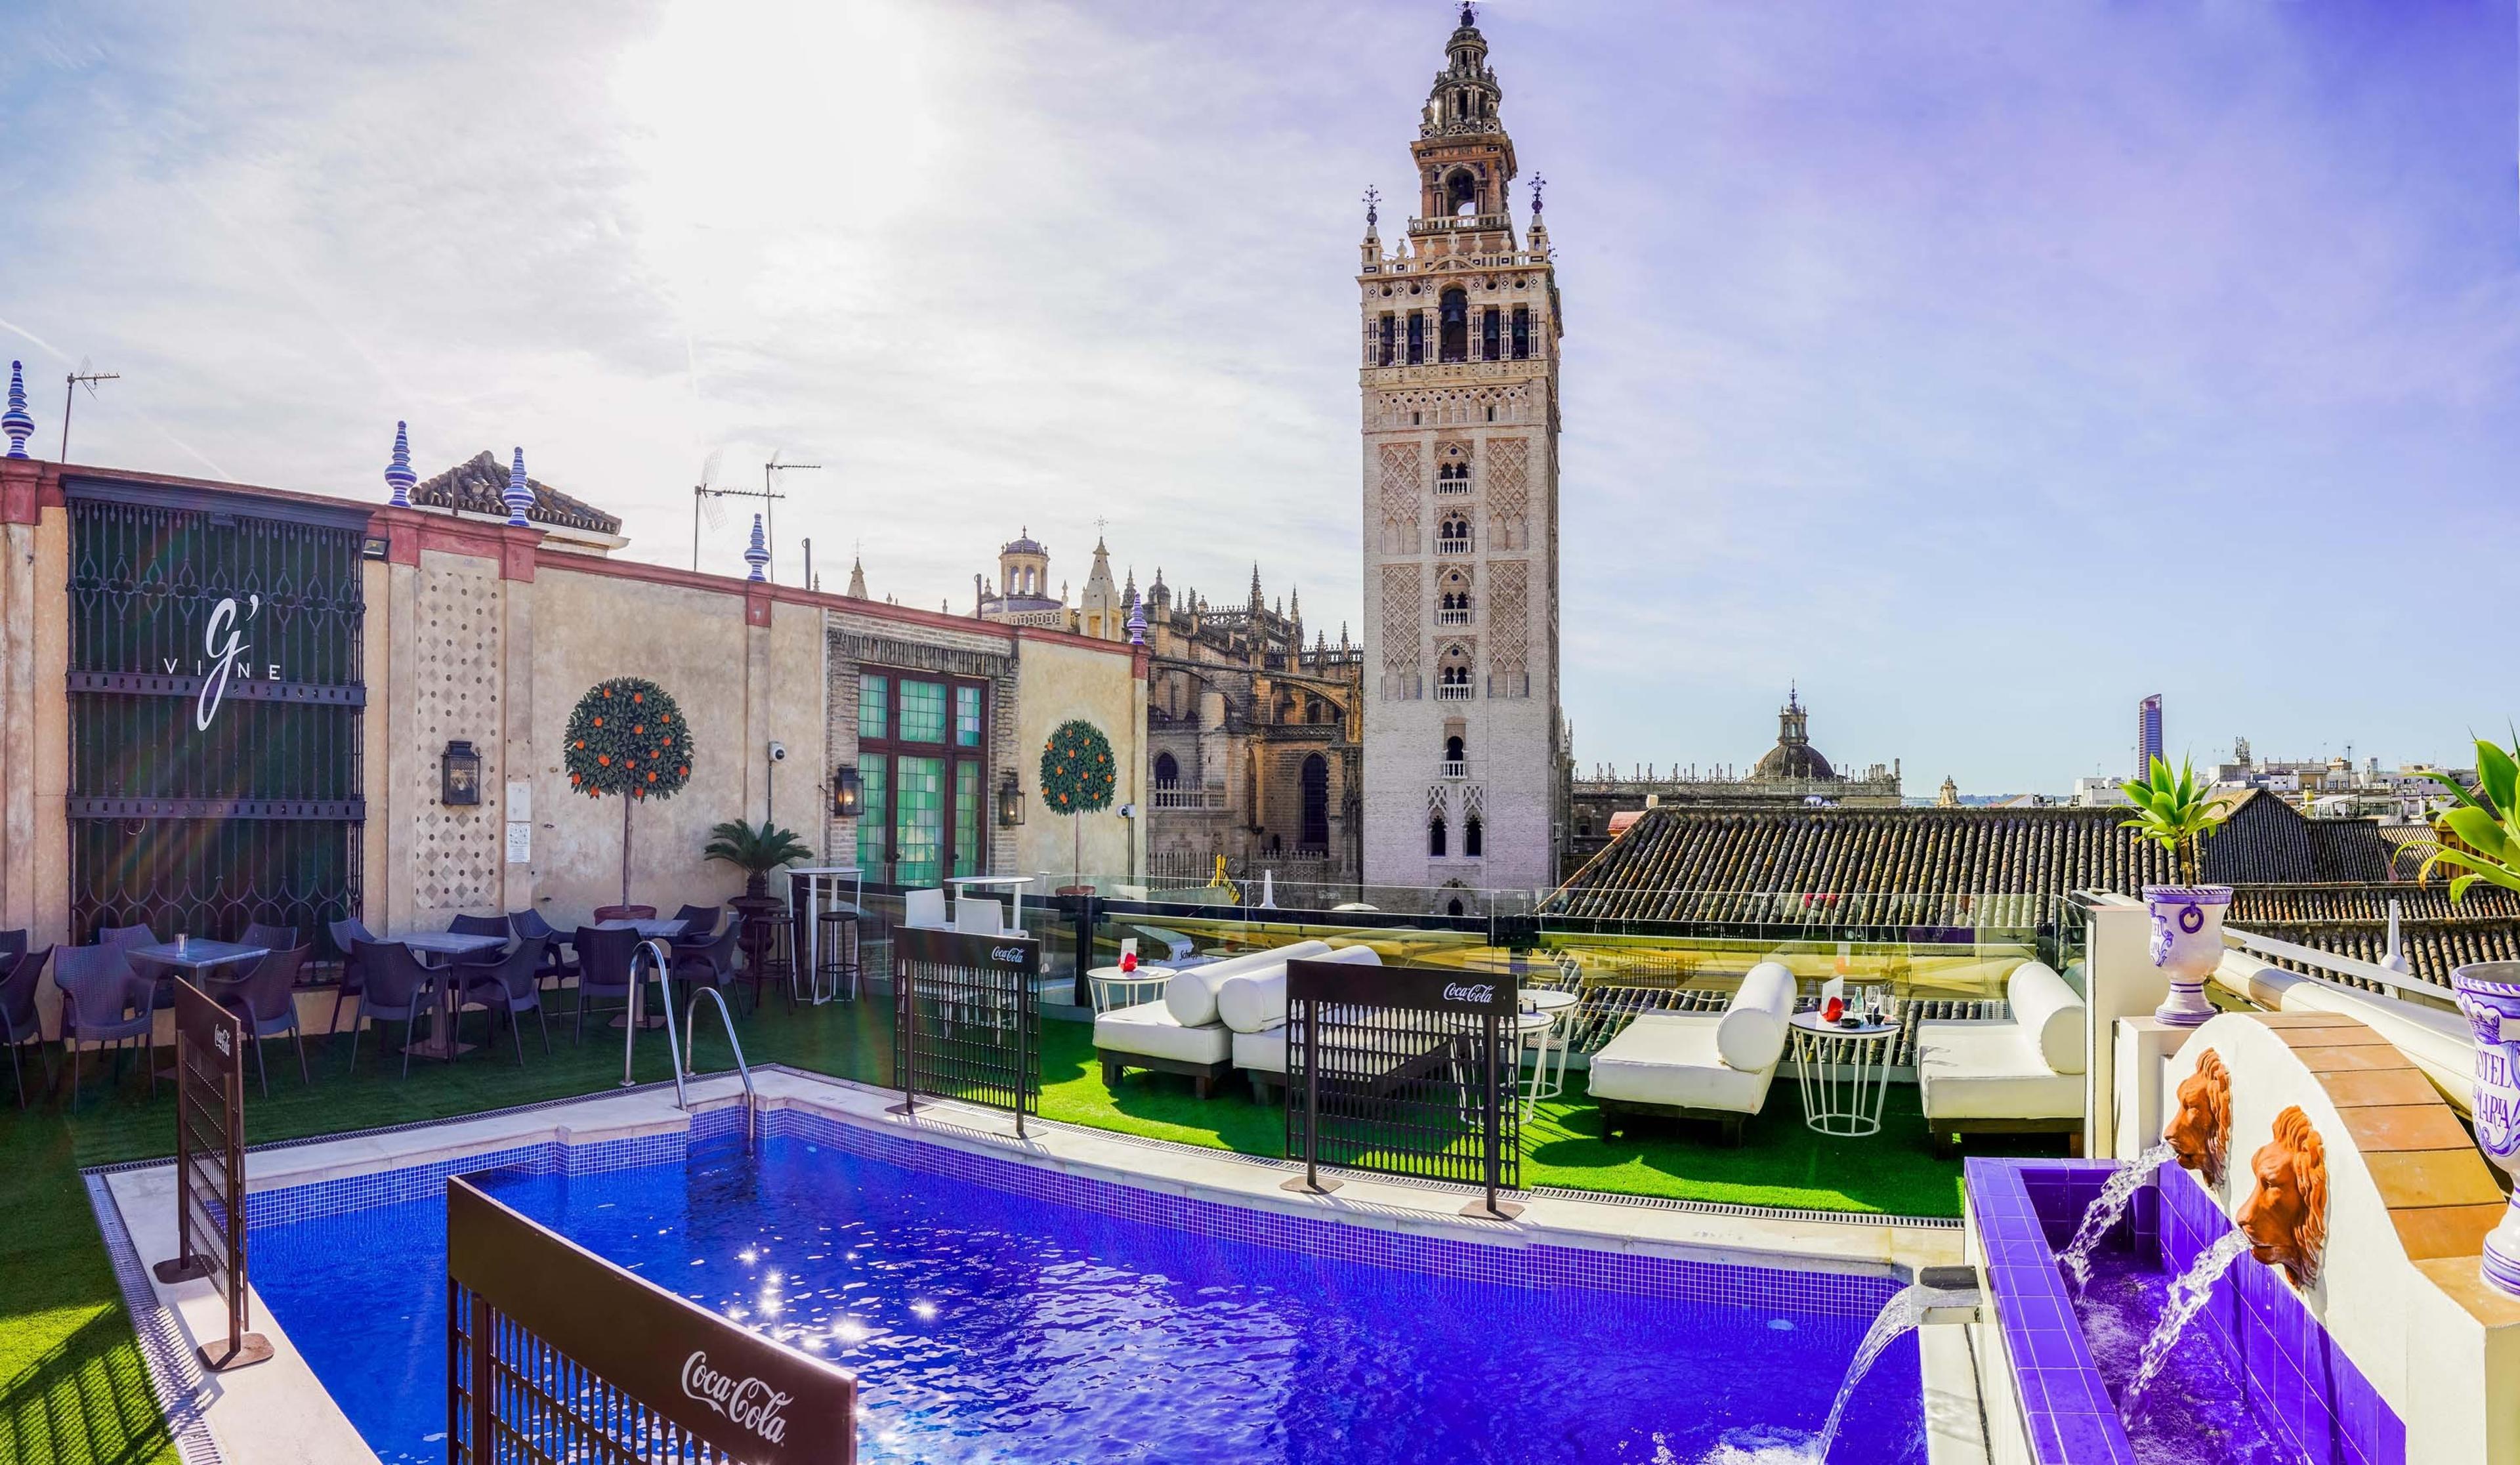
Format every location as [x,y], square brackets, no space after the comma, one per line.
[996,1312]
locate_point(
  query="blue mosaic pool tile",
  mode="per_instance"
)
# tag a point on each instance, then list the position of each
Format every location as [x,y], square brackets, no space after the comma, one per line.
[1527,1266]
[2064,1403]
[2299,1381]
[1531,1267]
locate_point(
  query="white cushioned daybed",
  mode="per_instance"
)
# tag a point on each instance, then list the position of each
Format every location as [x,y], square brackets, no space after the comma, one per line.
[1698,1065]
[2022,1075]
[1182,1033]
[1254,1005]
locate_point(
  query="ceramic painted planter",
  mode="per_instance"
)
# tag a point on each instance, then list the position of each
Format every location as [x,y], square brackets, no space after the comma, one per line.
[2489,994]
[2186,945]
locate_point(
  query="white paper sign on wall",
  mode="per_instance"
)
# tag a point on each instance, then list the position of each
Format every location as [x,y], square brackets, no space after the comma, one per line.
[520,841]
[520,802]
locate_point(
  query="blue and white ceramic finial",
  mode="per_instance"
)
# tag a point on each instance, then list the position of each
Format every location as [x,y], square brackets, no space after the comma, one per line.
[520,497]
[757,553]
[1137,623]
[17,422]
[399,474]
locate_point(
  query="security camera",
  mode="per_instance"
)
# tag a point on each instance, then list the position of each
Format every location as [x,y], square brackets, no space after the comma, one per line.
[778,752]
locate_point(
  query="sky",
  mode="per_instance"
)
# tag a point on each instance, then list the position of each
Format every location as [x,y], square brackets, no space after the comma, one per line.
[1976,368]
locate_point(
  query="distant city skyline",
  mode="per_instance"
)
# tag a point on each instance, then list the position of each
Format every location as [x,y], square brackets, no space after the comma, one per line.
[1979,367]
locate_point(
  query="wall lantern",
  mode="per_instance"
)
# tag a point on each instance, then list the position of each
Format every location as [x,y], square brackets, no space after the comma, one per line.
[1010,801]
[848,793]
[459,774]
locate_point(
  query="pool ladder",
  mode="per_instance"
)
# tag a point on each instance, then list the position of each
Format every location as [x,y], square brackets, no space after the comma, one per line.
[654,955]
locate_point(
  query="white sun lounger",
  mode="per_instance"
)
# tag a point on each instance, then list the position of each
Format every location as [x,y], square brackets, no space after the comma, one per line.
[1183,1033]
[1698,1065]
[2016,1076]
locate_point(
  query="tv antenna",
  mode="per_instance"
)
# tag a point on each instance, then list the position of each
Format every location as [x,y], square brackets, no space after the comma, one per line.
[86,376]
[705,497]
[769,496]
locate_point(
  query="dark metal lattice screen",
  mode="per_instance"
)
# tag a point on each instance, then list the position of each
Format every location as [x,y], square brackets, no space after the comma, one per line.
[209,1167]
[555,1355]
[967,1020]
[216,693]
[1407,1071]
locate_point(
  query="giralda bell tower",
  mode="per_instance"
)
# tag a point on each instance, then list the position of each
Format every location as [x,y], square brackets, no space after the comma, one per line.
[1464,785]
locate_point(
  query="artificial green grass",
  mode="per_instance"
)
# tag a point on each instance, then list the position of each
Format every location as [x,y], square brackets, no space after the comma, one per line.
[74,1390]
[1780,1161]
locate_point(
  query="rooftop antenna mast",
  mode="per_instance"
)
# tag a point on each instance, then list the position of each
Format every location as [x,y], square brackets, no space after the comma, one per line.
[769,496]
[86,376]
[705,497]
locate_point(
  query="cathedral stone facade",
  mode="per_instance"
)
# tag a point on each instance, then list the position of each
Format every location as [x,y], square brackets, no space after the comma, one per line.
[1253,743]
[1466,766]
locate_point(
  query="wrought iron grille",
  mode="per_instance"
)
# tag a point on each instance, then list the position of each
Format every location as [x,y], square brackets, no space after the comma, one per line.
[215,695]
[1407,1071]
[967,1020]
[554,1355]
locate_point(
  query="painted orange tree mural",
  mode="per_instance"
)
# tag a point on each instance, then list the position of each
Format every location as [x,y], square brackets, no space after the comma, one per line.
[1078,776]
[628,739]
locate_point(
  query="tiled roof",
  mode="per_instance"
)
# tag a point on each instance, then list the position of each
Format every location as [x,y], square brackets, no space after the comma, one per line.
[477,485]
[1691,865]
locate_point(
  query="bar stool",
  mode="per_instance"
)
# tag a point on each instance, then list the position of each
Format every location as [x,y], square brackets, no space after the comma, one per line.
[842,961]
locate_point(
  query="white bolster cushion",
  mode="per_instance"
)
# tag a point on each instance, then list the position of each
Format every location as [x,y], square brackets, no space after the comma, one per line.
[2051,1019]
[1752,1033]
[1191,994]
[1255,1000]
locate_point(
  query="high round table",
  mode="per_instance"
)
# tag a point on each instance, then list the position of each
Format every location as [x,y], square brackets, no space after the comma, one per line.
[1845,1073]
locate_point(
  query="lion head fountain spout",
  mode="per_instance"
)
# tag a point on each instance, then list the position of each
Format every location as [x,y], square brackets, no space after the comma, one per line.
[2285,1217]
[2201,1131]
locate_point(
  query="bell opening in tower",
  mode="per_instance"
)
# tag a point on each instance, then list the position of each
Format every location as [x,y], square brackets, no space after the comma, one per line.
[1462,192]
[1456,336]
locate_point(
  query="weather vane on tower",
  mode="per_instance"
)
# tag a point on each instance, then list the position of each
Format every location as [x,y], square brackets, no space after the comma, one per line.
[1372,205]
[1537,184]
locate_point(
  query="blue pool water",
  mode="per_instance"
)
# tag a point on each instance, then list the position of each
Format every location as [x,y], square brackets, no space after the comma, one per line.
[989,1325]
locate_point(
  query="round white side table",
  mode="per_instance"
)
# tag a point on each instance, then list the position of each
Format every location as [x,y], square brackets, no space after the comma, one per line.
[1845,1073]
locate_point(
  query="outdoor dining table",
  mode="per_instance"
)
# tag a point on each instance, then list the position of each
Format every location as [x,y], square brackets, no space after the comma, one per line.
[653,931]
[450,947]
[197,957]
[192,958]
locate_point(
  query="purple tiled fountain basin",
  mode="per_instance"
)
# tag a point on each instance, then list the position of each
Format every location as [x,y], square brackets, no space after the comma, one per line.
[2301,1387]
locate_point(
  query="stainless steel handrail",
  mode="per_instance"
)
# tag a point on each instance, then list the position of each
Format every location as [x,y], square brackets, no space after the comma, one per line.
[654,953]
[690,1034]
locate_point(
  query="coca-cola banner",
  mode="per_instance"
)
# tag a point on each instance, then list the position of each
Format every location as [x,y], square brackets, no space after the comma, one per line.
[1414,988]
[749,1399]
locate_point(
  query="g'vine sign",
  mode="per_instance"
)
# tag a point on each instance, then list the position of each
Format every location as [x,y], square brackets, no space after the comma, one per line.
[216,693]
[627,738]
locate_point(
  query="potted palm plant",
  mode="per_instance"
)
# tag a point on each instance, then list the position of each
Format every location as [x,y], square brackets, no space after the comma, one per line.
[2480,840]
[2179,813]
[755,852]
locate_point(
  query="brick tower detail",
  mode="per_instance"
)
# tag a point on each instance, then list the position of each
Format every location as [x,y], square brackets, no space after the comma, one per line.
[1464,782]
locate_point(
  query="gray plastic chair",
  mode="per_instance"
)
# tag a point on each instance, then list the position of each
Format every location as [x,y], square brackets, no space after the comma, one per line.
[602,968]
[512,987]
[19,1023]
[347,936]
[395,986]
[266,1003]
[103,1001]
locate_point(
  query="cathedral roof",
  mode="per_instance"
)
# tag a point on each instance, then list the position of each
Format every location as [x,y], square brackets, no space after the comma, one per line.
[477,485]
[1793,760]
[1023,544]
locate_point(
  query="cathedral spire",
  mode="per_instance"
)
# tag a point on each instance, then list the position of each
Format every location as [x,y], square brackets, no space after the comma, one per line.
[857,579]
[1257,604]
